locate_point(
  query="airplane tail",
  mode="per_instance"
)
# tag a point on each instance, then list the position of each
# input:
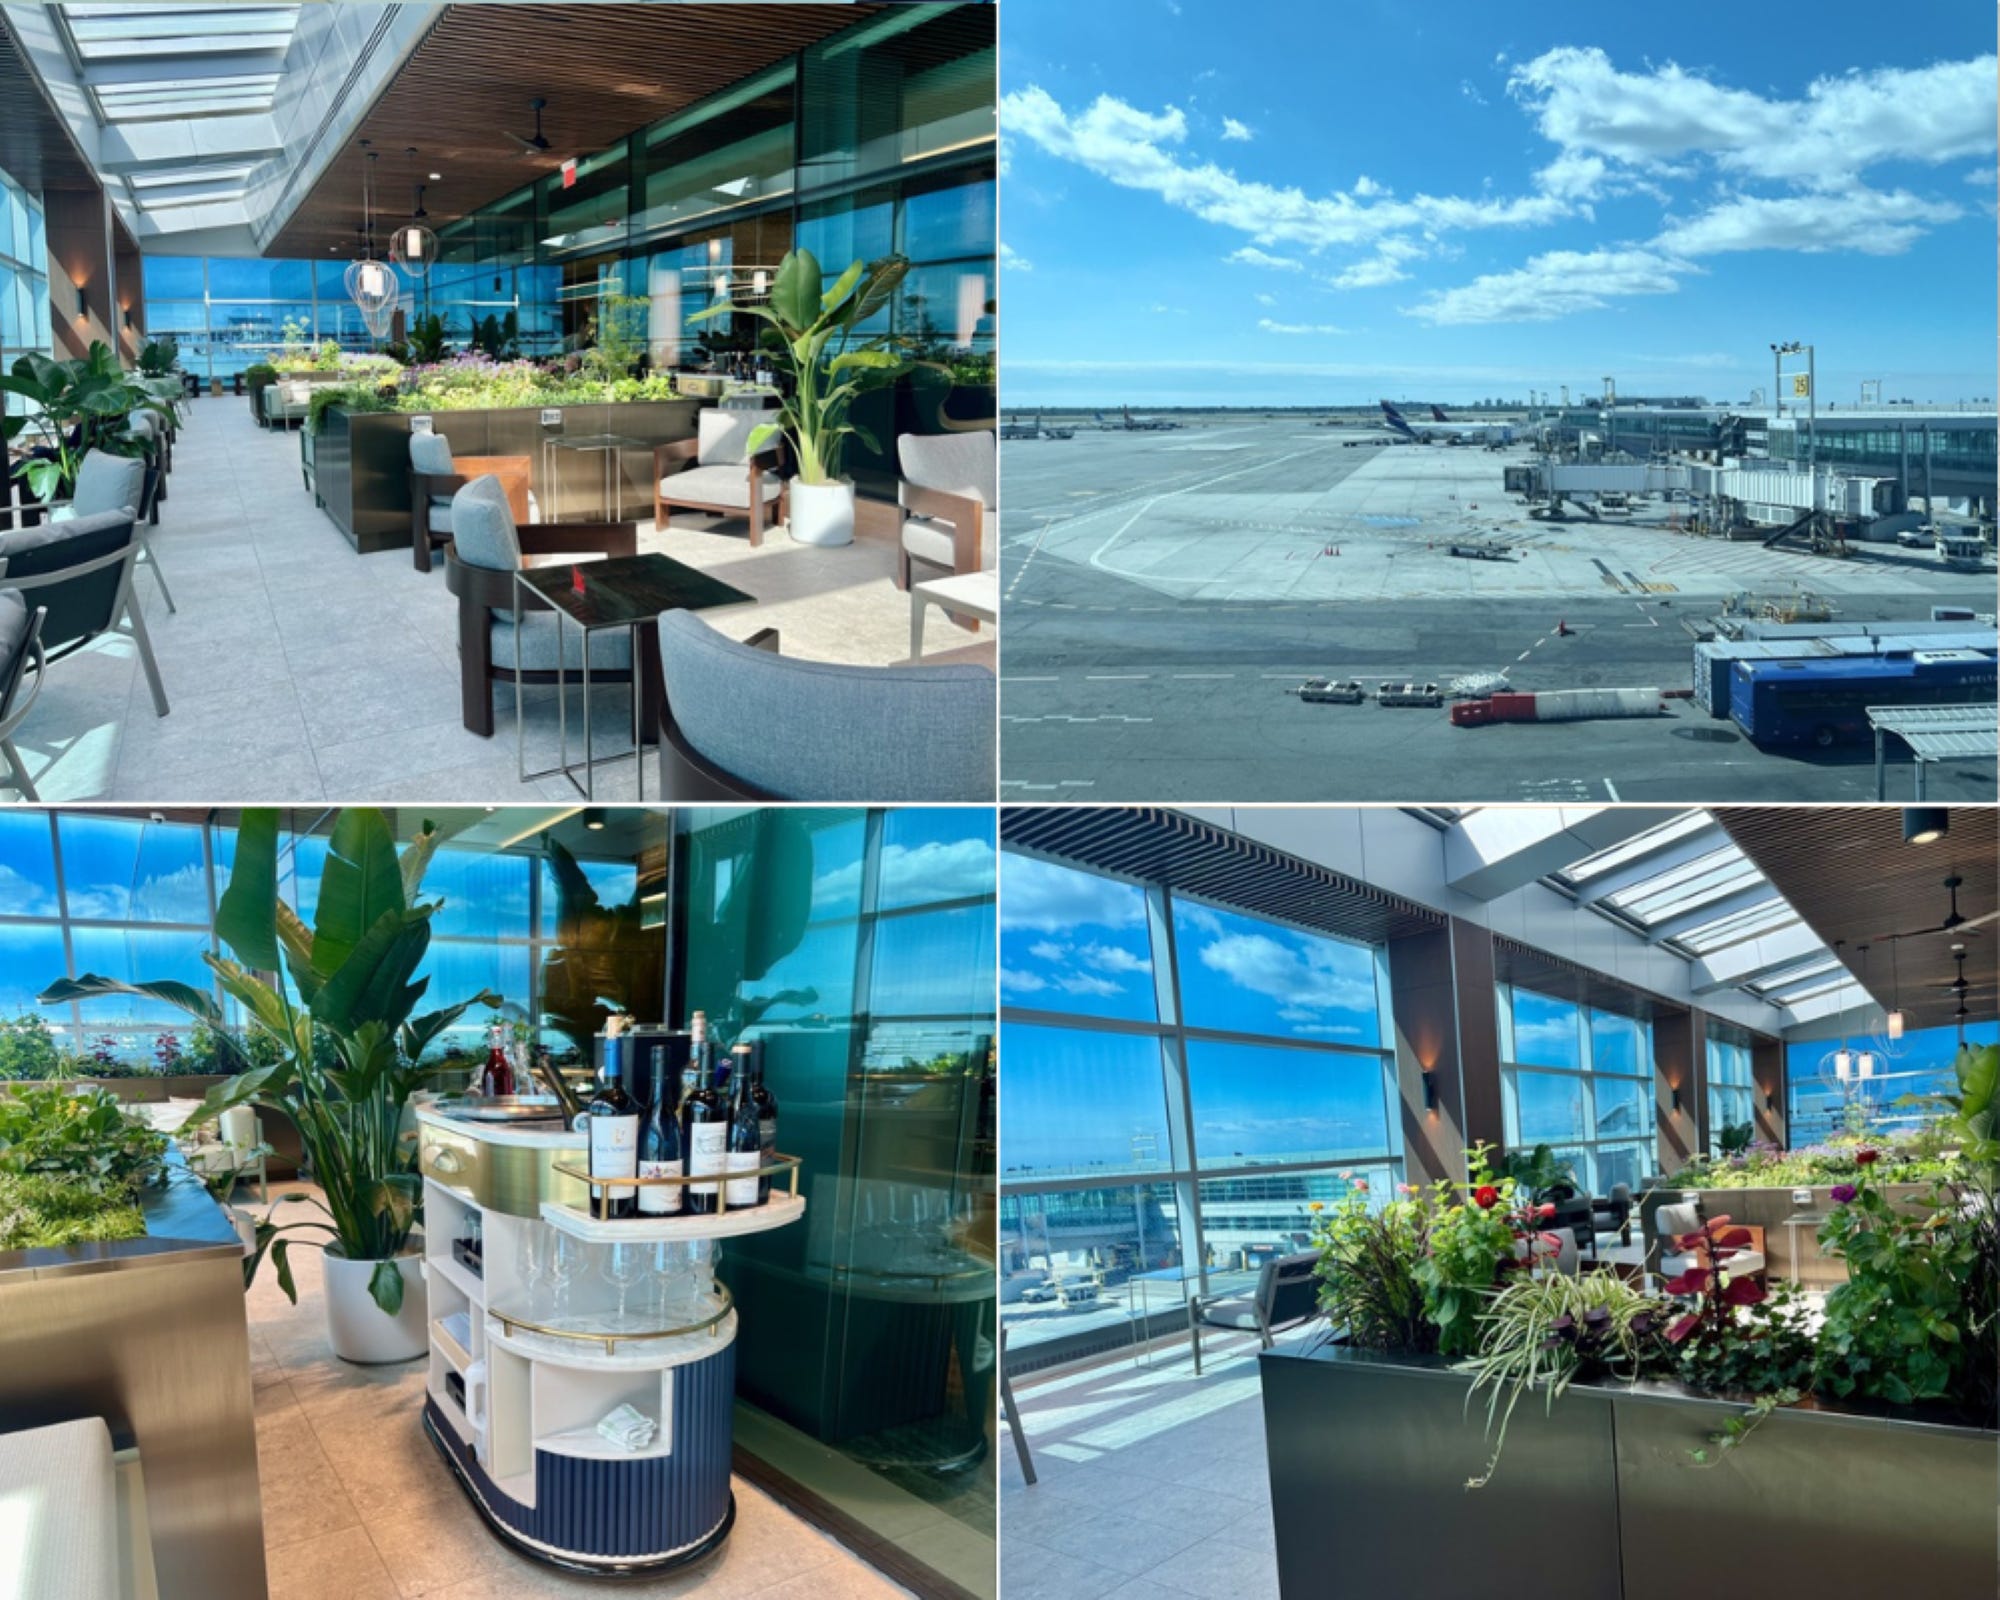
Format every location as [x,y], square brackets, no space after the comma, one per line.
[1437,414]
[1396,420]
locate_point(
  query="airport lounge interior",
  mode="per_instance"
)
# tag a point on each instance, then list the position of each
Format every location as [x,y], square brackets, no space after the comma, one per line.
[1616,1179]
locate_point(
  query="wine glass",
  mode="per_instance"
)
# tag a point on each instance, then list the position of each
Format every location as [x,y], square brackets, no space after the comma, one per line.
[625,1266]
[565,1261]
[531,1261]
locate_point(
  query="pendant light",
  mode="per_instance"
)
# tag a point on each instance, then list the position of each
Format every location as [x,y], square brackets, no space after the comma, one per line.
[1894,1022]
[1843,1058]
[1864,1060]
[372,285]
[413,246]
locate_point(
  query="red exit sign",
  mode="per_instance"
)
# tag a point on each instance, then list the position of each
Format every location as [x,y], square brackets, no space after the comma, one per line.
[569,174]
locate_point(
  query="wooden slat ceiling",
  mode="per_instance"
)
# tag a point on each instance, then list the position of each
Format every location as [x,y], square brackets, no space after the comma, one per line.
[1195,858]
[604,70]
[41,154]
[1847,872]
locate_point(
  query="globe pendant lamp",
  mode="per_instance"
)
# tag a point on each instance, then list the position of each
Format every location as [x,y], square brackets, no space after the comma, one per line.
[412,246]
[372,285]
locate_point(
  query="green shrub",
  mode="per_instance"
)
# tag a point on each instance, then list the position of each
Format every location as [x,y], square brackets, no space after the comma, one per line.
[40,1212]
[82,1136]
[28,1050]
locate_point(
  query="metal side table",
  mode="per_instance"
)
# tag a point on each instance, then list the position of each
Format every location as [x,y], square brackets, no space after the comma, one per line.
[610,446]
[626,592]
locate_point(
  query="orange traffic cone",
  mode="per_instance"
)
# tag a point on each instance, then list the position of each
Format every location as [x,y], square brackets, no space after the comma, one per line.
[1562,628]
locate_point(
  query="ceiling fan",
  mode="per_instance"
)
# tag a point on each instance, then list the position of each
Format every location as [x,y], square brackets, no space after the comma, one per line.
[539,145]
[1955,922]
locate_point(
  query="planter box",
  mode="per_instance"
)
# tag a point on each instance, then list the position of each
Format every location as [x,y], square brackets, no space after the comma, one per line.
[150,1334]
[361,461]
[1597,1496]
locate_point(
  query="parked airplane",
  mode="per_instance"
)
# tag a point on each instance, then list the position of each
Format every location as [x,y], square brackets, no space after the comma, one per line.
[1447,431]
[1128,423]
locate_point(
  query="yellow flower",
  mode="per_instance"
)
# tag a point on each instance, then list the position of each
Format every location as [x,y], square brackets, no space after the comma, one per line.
[1316,1205]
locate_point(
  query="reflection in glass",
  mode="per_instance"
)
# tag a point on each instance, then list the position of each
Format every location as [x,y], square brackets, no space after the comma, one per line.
[1245,975]
[1084,1259]
[1080,1103]
[1074,941]
[1257,1104]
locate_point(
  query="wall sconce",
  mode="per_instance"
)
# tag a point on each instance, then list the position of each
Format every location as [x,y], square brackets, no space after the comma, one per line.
[1770,1102]
[1677,1100]
[1430,1089]
[82,304]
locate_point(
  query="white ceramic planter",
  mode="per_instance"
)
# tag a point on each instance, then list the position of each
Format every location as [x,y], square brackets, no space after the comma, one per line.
[359,1329]
[821,513]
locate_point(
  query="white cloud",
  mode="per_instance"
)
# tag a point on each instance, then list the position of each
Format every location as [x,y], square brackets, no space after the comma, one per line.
[1013,260]
[1305,980]
[1465,87]
[1111,958]
[1051,899]
[1267,299]
[1085,983]
[1652,120]
[23,897]
[1859,219]
[1232,129]
[1048,950]
[1013,981]
[1985,177]
[1136,150]
[1552,285]
[1251,256]
[1385,266]
[1368,188]
[1297,327]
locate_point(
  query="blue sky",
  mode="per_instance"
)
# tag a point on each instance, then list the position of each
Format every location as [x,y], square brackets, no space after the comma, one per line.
[1209,203]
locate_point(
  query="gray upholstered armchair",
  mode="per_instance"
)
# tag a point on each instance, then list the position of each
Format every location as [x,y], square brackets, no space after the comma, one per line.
[436,475]
[1287,1292]
[949,493]
[714,472]
[487,548]
[106,483]
[20,649]
[80,570]
[741,721]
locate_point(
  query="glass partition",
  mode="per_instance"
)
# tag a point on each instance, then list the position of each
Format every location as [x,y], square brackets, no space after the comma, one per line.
[24,277]
[1580,1080]
[1731,1087]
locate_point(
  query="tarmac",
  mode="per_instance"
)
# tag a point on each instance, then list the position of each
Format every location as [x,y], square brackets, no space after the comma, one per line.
[1163,591]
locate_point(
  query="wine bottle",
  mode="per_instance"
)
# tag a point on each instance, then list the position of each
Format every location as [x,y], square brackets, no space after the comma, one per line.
[767,1116]
[660,1144]
[497,1077]
[614,1137]
[745,1154]
[704,1125]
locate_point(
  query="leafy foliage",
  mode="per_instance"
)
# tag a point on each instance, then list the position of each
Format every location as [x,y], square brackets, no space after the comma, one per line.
[73,407]
[160,357]
[76,1136]
[427,340]
[28,1050]
[40,1211]
[1539,1174]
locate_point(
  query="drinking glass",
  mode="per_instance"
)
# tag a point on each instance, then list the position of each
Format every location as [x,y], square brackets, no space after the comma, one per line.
[565,1261]
[625,1266]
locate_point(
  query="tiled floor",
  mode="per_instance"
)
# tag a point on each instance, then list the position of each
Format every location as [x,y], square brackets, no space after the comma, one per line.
[1152,1485]
[358,1505]
[298,670]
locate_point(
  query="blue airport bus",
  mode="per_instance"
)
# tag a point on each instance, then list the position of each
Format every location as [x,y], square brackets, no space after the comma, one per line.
[1825,702]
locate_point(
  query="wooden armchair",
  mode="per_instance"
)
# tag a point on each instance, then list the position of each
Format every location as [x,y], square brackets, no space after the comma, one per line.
[482,591]
[712,473]
[436,475]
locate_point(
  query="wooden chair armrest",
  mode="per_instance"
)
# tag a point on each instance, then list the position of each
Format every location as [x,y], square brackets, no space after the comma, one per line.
[682,453]
[939,504]
[425,484]
[575,538]
[486,586]
[764,639]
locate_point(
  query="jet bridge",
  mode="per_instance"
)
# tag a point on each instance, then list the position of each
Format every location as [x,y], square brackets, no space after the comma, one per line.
[1755,492]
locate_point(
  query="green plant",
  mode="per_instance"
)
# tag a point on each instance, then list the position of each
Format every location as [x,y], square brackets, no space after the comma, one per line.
[1368,1273]
[616,336]
[1538,1174]
[28,1050]
[1543,1333]
[327,357]
[1733,1138]
[353,397]
[74,407]
[168,1056]
[827,364]
[160,357]
[40,1212]
[293,351]
[81,1135]
[1764,1348]
[354,973]
[1472,1244]
[427,341]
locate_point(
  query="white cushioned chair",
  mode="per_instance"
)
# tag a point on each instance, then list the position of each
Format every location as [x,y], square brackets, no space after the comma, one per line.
[1675,1221]
[950,493]
[485,551]
[713,472]
[106,483]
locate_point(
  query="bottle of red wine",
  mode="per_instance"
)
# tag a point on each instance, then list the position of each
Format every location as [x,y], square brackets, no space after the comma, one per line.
[745,1154]
[660,1144]
[614,1137]
[497,1077]
[704,1125]
[767,1115]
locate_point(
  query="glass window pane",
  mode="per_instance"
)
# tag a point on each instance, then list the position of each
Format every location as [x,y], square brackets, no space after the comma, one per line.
[1247,1221]
[1620,1044]
[174,278]
[1245,975]
[27,865]
[139,955]
[485,895]
[118,869]
[1545,1031]
[1549,1108]
[239,278]
[31,958]
[1082,1102]
[1087,1259]
[615,883]
[934,963]
[460,969]
[1074,941]
[933,853]
[1623,1108]
[1256,1104]
[1629,1164]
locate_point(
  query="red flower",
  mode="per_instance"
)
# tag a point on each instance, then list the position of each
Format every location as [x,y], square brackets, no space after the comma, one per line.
[1867,1158]
[1545,1209]
[1486,1197]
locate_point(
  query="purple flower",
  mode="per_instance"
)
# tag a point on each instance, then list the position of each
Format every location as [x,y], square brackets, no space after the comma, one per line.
[1843,1192]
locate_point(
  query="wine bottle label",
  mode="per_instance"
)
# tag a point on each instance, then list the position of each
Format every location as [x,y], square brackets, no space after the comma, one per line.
[742,1191]
[708,1149]
[665,1200]
[767,1137]
[614,1153]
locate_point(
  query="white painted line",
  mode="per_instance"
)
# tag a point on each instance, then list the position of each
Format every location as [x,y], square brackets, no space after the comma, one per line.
[1611,788]
[1010,678]
[1116,677]
[1204,674]
[1523,656]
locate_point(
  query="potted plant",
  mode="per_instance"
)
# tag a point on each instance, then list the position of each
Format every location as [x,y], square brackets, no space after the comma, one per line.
[75,407]
[825,366]
[352,972]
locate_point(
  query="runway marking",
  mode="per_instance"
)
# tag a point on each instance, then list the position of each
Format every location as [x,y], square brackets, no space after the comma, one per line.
[1028,560]
[1194,675]
[1523,656]
[1010,678]
[1116,677]
[1611,788]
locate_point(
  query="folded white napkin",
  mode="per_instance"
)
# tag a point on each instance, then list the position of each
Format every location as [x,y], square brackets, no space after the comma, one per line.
[628,1428]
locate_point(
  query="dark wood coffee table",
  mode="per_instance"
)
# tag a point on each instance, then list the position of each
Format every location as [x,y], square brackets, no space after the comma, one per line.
[626,592]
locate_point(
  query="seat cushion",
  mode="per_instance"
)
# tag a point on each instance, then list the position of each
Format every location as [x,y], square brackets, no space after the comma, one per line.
[933,541]
[15,617]
[440,513]
[482,526]
[716,486]
[108,483]
[814,730]
[956,463]
[723,437]
[60,1486]
[610,649]
[430,453]
[1231,1314]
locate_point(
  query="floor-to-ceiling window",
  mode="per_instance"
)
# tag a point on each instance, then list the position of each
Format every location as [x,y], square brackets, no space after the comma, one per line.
[1731,1085]
[1184,1082]
[1579,1080]
[24,276]
[1893,1098]
[228,313]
